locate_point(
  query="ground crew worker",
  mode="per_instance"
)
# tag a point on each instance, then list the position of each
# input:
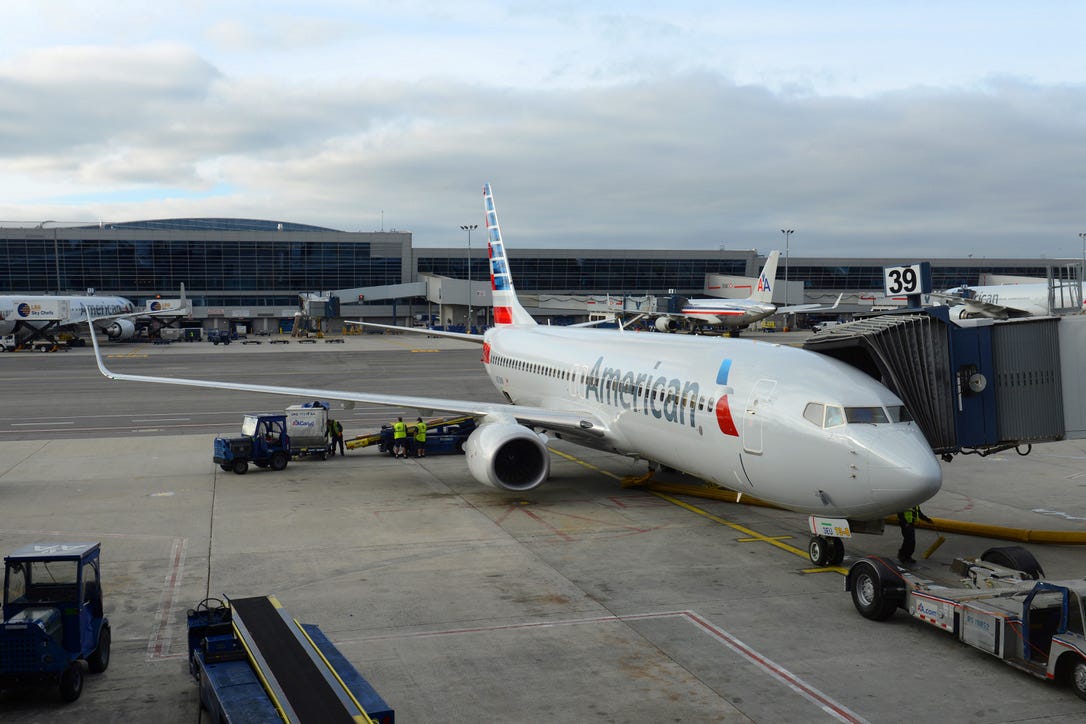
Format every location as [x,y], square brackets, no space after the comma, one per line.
[399,438]
[907,521]
[420,438]
[336,428]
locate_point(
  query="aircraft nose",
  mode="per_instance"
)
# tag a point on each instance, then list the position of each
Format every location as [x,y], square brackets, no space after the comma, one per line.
[904,471]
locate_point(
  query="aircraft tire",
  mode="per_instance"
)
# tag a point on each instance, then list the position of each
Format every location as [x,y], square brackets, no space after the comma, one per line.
[819,550]
[837,551]
[868,594]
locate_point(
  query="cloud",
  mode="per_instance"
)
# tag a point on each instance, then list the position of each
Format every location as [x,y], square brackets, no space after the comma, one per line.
[689,160]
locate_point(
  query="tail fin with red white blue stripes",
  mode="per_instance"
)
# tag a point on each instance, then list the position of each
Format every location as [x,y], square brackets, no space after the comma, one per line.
[507,309]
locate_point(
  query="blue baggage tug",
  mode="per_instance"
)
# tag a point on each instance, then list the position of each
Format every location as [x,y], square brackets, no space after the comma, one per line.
[53,618]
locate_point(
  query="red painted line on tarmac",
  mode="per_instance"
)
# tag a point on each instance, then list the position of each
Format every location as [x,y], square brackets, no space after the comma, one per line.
[822,701]
[536,518]
[159,642]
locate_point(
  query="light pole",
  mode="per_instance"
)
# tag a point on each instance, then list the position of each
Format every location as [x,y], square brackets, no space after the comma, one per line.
[1082,272]
[787,236]
[468,228]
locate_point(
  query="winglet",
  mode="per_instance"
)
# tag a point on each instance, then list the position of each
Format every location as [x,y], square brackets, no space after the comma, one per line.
[97,351]
[507,309]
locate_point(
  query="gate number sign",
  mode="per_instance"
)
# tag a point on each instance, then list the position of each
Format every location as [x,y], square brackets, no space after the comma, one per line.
[905,280]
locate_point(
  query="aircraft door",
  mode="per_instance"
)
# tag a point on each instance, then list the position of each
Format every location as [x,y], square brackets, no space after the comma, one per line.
[757,406]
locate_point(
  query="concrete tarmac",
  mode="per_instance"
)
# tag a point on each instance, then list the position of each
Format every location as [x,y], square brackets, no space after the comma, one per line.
[581,600]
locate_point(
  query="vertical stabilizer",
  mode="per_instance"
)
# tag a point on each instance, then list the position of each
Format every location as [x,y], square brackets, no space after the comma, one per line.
[507,309]
[763,290]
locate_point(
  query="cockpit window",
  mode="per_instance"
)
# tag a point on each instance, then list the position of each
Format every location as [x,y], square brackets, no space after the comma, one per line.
[868,415]
[898,413]
[813,412]
[834,416]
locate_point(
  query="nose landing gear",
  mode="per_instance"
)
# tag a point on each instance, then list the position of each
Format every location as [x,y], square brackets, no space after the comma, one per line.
[825,551]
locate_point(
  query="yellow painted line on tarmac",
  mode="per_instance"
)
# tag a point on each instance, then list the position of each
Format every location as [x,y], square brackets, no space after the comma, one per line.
[588,465]
[425,350]
[751,536]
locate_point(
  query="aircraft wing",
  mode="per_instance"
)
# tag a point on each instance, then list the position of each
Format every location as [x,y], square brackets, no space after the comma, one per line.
[462,336]
[810,307]
[561,420]
[977,308]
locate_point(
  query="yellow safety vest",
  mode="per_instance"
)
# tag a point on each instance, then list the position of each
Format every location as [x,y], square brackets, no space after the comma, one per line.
[399,430]
[912,514]
[420,432]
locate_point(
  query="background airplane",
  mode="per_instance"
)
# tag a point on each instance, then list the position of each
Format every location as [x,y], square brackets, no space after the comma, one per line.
[791,427]
[733,314]
[29,316]
[1004,301]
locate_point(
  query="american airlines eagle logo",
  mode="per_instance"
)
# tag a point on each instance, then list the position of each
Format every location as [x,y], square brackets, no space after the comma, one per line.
[723,411]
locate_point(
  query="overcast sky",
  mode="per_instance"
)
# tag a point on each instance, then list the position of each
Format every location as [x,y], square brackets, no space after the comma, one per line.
[871,128]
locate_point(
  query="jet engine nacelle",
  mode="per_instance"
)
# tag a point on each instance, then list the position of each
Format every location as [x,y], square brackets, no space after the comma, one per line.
[666,324]
[121,329]
[508,456]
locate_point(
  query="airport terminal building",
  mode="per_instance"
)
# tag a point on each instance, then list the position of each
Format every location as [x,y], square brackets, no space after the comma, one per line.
[252,271]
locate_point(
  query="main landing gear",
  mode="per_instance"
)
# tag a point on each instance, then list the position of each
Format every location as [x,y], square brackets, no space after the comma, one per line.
[826,551]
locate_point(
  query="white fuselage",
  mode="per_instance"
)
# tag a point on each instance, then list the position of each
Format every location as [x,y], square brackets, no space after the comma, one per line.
[40,310]
[728,312]
[1029,299]
[728,411]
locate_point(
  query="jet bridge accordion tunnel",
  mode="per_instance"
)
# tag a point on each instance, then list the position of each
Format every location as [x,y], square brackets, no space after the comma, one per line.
[977,386]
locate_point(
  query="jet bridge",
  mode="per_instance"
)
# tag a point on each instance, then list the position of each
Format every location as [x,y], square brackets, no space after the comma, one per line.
[976,386]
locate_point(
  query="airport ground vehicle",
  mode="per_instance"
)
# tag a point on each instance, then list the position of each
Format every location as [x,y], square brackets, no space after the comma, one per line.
[53,617]
[215,336]
[306,426]
[264,441]
[236,646]
[443,437]
[999,604]
[7,343]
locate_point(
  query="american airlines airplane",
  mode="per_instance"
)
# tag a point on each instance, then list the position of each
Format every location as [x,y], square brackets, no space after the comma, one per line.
[791,427]
[734,314]
[1003,301]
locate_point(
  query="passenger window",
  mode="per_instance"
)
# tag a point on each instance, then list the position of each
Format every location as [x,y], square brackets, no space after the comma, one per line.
[834,416]
[814,412]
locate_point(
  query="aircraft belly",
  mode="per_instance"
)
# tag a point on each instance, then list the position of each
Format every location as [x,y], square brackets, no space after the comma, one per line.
[683,448]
